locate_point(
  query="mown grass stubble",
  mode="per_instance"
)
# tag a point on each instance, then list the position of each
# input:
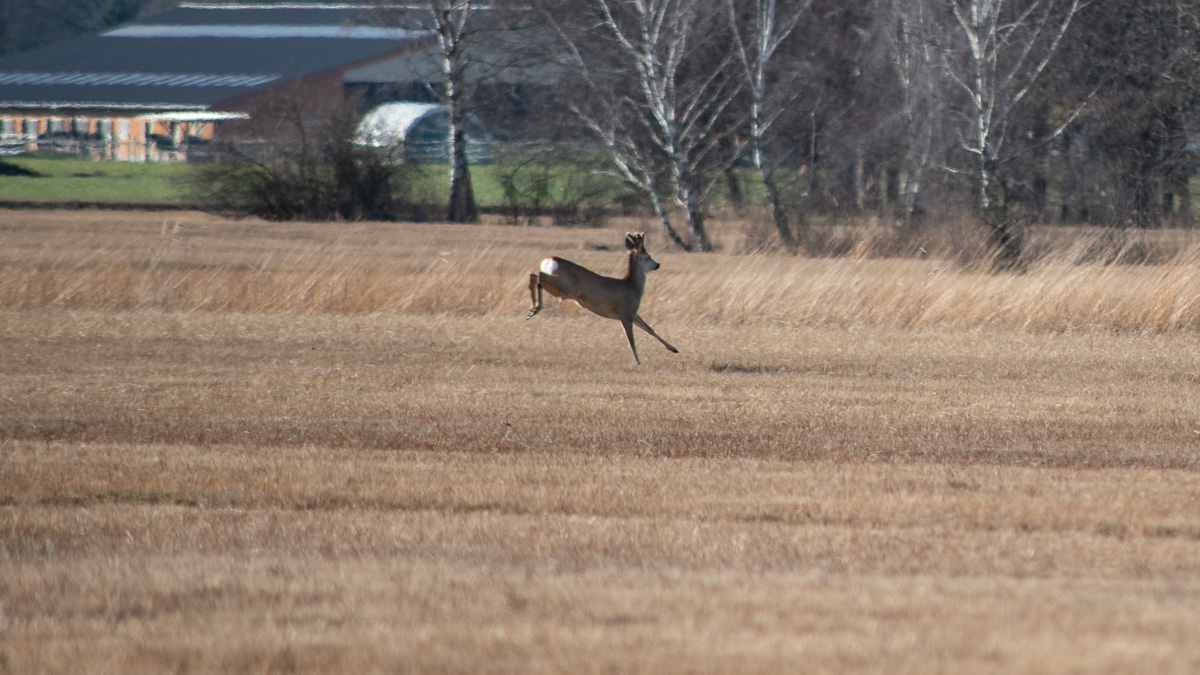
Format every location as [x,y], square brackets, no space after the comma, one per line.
[444,486]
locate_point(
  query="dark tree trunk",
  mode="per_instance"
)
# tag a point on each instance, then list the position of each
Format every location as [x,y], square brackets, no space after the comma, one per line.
[462,208]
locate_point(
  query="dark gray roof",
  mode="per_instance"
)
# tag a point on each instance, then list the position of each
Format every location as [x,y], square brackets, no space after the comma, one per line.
[195,57]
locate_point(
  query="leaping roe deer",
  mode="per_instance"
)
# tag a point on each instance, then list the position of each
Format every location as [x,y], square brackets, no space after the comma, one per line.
[609,297]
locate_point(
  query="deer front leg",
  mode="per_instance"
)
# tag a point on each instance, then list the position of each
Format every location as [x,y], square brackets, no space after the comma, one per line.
[628,326]
[535,293]
[646,327]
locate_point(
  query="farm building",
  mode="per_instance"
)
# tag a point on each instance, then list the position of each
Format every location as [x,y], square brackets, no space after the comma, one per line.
[160,88]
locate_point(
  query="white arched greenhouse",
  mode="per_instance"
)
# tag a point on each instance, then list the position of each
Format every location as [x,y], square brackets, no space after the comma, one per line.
[421,133]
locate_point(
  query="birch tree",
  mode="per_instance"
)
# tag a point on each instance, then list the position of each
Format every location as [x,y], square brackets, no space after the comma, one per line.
[757,34]
[450,19]
[1004,47]
[655,98]
[916,57]
[470,46]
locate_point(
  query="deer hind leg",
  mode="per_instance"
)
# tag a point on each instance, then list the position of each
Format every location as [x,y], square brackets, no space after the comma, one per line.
[646,327]
[535,294]
[628,326]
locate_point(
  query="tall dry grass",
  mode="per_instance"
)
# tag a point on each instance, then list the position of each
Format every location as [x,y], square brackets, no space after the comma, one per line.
[1057,294]
[177,269]
[1077,282]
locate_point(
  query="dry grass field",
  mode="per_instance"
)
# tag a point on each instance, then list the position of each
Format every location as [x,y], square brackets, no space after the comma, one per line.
[246,447]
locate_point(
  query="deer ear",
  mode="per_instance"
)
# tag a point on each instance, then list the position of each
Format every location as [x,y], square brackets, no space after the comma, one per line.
[632,240]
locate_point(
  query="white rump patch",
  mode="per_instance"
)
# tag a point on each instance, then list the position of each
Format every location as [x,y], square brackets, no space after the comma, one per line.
[550,266]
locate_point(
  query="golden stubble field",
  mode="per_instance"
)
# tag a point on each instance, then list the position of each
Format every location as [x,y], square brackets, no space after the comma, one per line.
[247,447]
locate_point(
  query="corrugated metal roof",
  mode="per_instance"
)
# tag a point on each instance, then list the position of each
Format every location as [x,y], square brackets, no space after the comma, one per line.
[138,79]
[195,56]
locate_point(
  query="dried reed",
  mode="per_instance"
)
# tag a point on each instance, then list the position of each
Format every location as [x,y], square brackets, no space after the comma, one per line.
[1082,285]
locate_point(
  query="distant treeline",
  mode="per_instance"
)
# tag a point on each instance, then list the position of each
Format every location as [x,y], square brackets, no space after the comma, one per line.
[1017,111]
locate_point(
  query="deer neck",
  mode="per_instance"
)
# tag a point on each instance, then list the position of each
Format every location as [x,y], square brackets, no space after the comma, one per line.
[636,276]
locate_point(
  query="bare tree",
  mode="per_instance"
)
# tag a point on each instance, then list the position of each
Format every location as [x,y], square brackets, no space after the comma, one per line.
[470,49]
[1132,144]
[765,30]
[450,20]
[1001,49]
[916,60]
[656,98]
[292,161]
